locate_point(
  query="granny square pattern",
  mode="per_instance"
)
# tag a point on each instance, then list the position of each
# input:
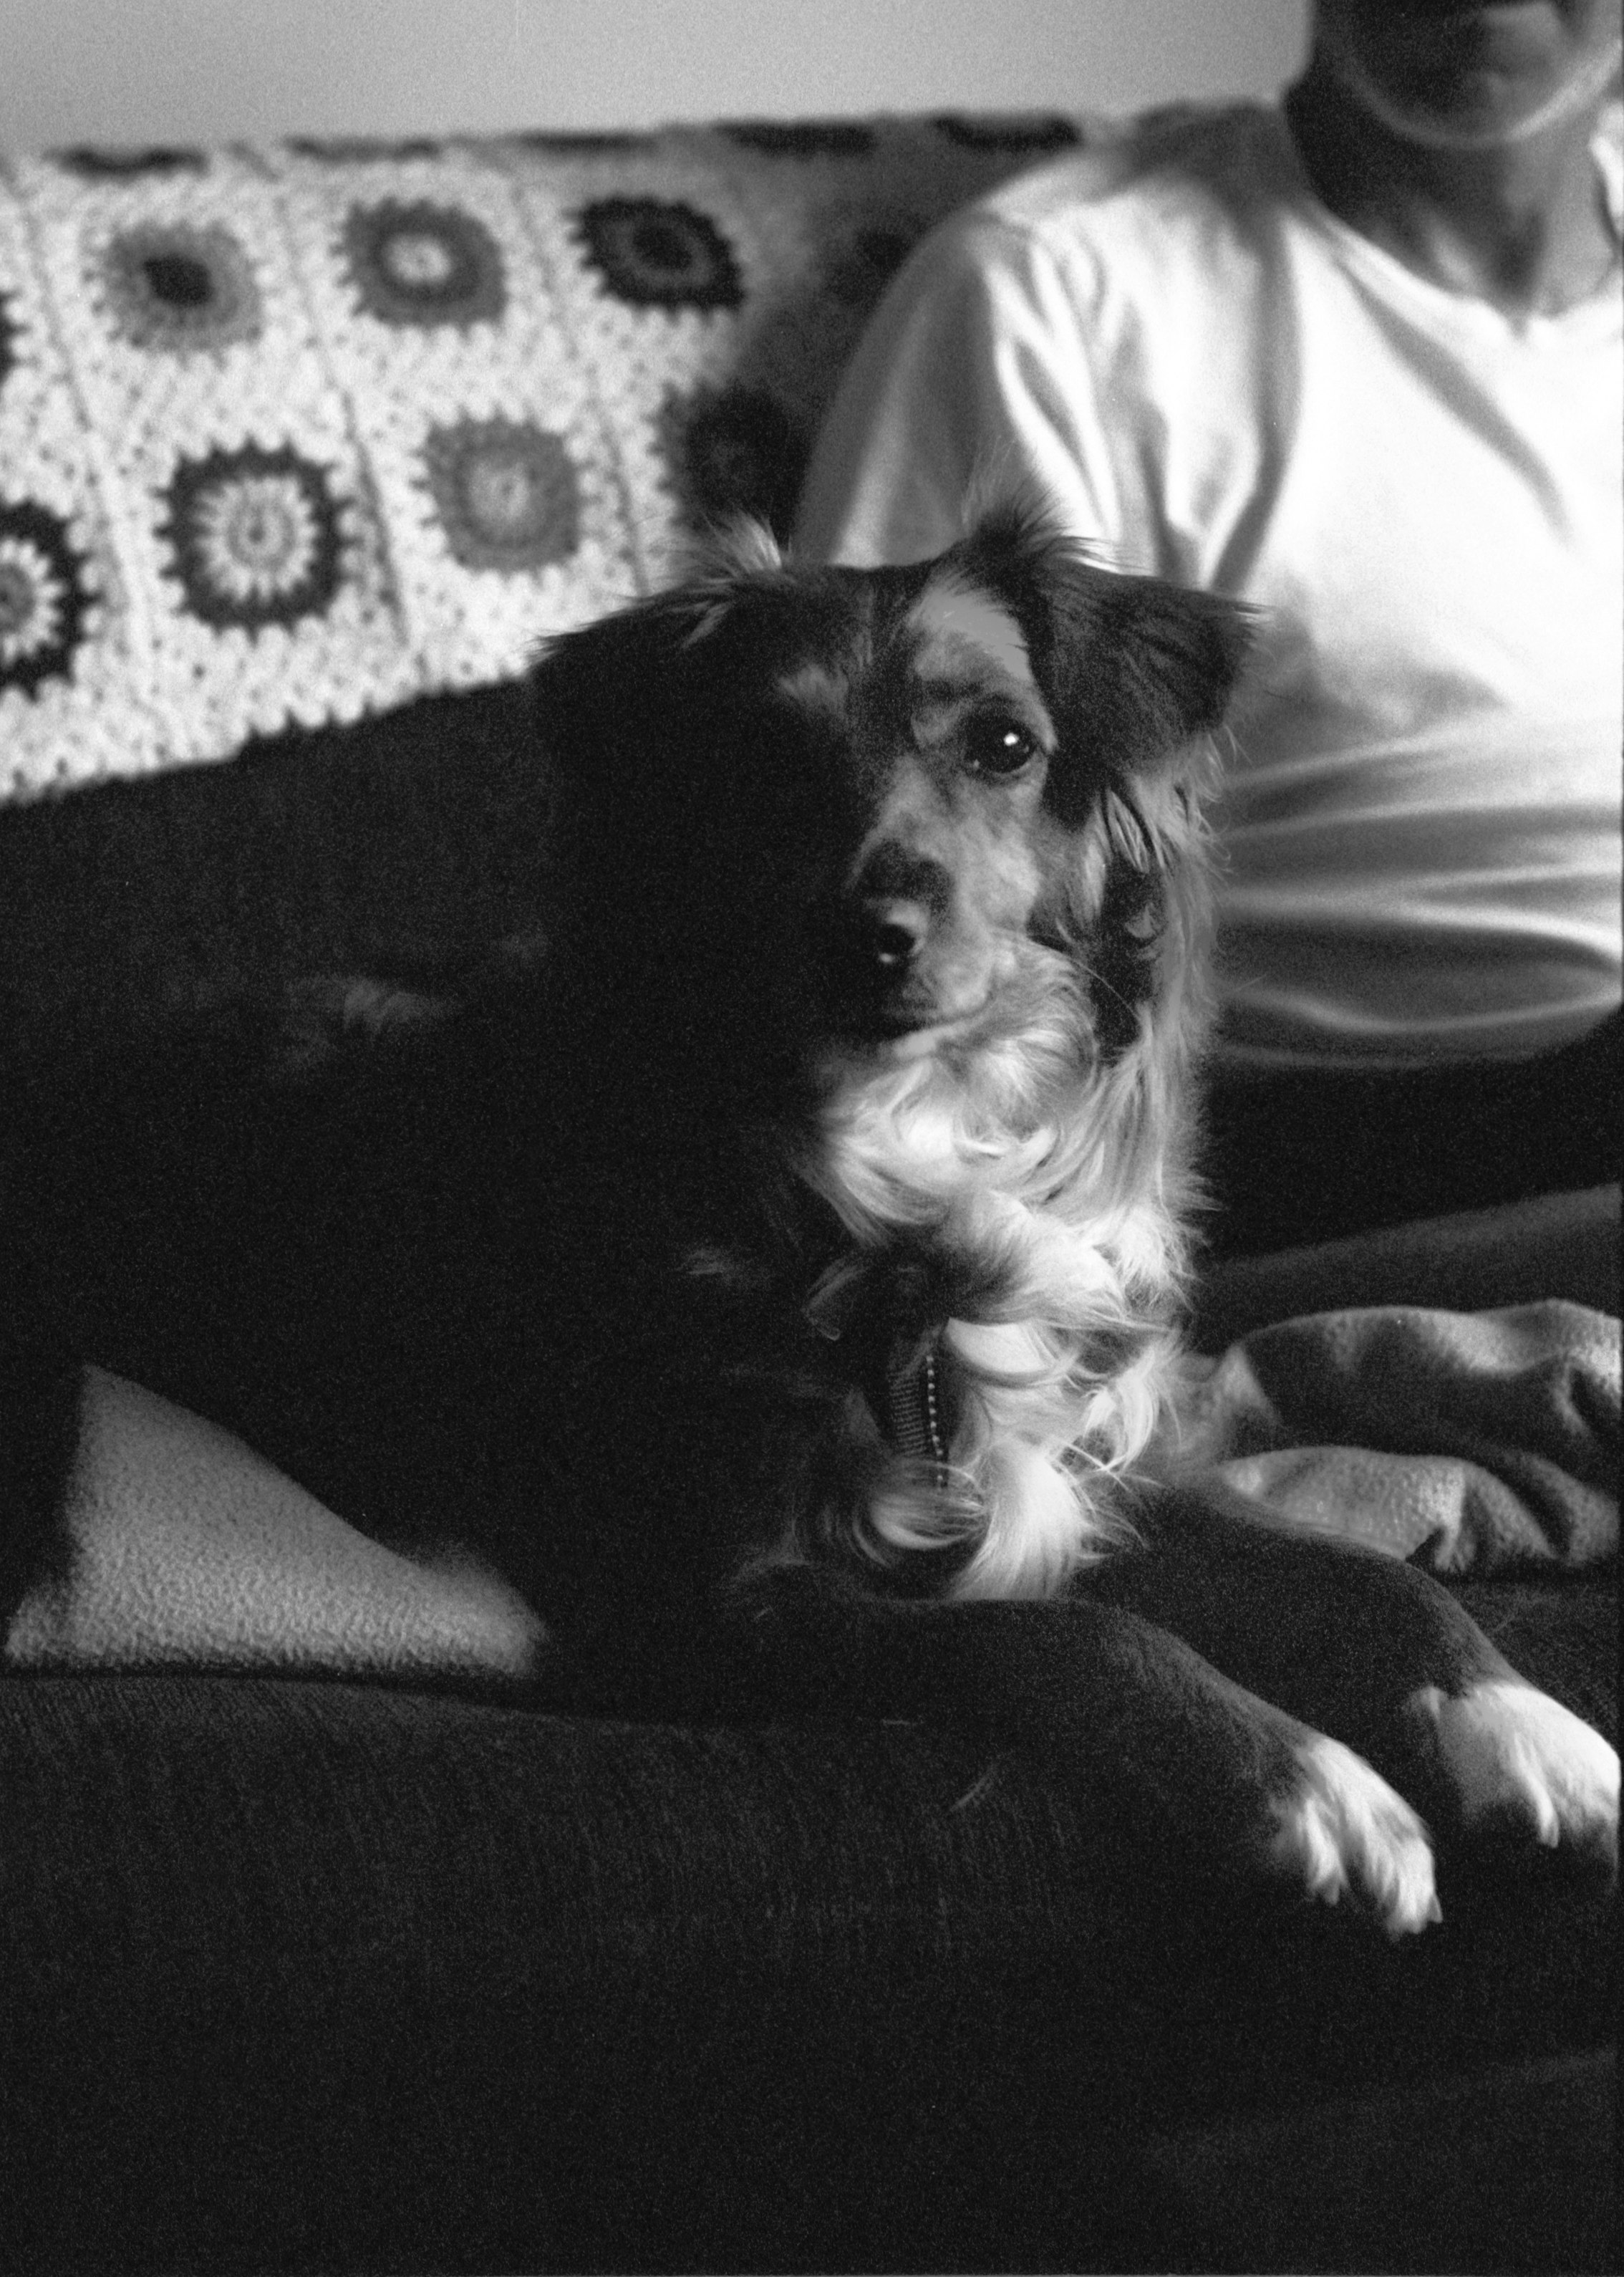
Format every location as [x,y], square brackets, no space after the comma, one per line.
[291,433]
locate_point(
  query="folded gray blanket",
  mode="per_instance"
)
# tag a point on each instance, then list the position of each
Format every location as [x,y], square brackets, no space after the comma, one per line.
[1473,1442]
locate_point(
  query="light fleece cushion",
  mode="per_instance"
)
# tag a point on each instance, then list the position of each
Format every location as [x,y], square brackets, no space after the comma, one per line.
[184,1546]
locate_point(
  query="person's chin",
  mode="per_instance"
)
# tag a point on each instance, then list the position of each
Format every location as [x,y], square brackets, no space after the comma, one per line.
[1470,74]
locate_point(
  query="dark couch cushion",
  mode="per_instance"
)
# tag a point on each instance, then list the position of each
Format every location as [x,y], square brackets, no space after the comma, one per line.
[406,843]
[316,1976]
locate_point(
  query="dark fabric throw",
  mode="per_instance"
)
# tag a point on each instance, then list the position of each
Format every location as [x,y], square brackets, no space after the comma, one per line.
[1296,1158]
[304,1975]
[406,844]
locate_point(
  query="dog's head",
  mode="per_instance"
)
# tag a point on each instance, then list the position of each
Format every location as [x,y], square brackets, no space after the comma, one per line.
[874,815]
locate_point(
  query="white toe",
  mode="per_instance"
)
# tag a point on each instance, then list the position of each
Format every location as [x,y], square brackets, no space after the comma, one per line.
[1514,1757]
[1346,1829]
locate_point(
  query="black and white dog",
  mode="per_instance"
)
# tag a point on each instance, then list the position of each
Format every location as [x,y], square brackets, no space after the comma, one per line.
[783,1291]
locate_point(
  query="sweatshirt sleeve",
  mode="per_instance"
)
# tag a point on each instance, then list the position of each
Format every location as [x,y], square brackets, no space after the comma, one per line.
[973,376]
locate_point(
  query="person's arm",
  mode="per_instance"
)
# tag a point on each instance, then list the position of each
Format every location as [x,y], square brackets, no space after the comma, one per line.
[973,377]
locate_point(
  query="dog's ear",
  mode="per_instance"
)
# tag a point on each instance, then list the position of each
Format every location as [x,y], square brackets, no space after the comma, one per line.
[624,680]
[1133,670]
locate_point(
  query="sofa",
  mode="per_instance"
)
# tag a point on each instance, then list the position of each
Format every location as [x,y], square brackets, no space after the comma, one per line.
[303,448]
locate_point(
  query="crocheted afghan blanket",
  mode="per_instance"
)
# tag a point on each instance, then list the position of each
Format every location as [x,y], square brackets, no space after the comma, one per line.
[292,433]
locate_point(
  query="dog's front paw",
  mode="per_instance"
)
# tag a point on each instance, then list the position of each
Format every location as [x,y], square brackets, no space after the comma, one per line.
[1344,1829]
[1513,1760]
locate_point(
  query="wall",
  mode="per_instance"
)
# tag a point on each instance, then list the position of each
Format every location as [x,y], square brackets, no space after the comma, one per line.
[156,71]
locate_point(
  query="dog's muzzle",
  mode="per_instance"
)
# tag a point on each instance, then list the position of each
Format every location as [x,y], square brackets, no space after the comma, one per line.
[895,921]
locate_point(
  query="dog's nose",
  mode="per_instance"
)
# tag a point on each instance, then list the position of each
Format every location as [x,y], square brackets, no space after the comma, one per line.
[893,933]
[897,899]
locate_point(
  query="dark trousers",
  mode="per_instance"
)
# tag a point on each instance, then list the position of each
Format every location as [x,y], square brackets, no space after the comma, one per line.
[1299,1157]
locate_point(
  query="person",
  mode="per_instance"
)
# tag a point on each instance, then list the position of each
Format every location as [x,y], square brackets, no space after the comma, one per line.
[1354,360]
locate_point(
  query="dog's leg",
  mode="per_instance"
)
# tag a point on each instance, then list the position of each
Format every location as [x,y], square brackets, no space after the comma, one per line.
[1120,1707]
[1380,1654]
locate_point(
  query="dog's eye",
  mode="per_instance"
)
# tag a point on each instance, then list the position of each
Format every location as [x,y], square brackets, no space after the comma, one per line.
[996,745]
